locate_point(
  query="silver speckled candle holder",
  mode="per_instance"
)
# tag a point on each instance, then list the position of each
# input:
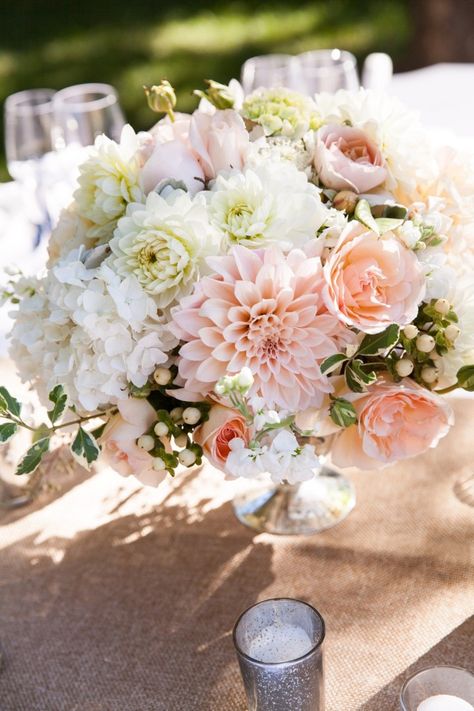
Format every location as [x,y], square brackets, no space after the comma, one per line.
[279,648]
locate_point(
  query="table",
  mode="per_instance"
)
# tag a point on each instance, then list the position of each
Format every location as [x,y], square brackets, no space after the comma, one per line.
[118,598]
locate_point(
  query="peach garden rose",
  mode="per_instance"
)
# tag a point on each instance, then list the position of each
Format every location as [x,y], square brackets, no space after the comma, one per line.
[214,435]
[346,159]
[372,281]
[395,421]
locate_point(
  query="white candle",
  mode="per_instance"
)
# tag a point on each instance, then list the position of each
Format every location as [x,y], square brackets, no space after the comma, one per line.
[280,643]
[445,702]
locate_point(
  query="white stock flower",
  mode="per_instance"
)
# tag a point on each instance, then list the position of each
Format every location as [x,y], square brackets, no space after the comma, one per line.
[272,203]
[89,330]
[409,233]
[248,463]
[295,463]
[163,243]
[108,181]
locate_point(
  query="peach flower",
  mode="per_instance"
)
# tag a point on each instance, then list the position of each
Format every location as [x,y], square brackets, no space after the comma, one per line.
[224,424]
[395,421]
[119,448]
[262,309]
[346,159]
[194,148]
[372,281]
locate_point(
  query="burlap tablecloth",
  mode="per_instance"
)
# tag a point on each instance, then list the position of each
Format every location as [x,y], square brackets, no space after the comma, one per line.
[117,598]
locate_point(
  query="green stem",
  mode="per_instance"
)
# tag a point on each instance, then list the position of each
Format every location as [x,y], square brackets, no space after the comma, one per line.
[444,391]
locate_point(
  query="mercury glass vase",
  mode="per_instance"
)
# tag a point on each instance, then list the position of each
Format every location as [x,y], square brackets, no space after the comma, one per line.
[294,509]
[279,649]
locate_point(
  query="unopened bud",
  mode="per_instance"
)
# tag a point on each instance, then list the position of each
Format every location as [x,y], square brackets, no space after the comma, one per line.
[219,95]
[146,442]
[187,457]
[162,376]
[158,464]
[410,331]
[191,415]
[425,343]
[161,98]
[176,414]
[429,374]
[452,332]
[161,429]
[345,200]
[442,306]
[404,367]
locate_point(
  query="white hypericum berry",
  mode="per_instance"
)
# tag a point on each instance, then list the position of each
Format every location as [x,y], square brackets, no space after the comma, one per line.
[410,331]
[429,374]
[191,415]
[162,376]
[425,343]
[158,464]
[181,440]
[161,429]
[442,306]
[244,379]
[176,413]
[452,332]
[146,442]
[187,457]
[404,367]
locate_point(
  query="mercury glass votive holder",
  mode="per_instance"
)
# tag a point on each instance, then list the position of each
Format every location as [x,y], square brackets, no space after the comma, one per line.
[438,688]
[279,649]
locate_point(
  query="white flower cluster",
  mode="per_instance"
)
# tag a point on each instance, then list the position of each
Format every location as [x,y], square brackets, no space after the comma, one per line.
[90,330]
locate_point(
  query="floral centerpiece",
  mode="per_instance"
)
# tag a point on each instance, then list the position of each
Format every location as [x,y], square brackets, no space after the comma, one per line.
[238,281]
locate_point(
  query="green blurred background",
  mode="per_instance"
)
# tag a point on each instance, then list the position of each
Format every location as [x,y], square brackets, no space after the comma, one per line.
[55,43]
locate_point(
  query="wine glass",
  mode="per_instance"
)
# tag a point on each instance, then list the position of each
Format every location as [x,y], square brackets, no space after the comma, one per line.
[327,70]
[28,139]
[269,70]
[83,111]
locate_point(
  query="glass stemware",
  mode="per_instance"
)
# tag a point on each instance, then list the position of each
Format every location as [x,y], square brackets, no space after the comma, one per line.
[84,111]
[28,138]
[327,70]
[270,70]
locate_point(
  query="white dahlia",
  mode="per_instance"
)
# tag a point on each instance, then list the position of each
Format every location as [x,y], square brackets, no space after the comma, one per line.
[272,203]
[108,181]
[163,244]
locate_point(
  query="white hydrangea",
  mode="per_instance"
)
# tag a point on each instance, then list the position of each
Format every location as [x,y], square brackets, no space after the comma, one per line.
[281,111]
[70,233]
[281,148]
[108,181]
[272,203]
[163,244]
[395,130]
[89,330]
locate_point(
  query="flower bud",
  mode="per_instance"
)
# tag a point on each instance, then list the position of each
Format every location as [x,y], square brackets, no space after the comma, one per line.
[161,429]
[244,379]
[181,440]
[176,414]
[158,464]
[161,98]
[410,331]
[429,374]
[404,367]
[162,376]
[191,415]
[187,457]
[442,306]
[146,442]
[425,343]
[219,95]
[345,200]
[452,332]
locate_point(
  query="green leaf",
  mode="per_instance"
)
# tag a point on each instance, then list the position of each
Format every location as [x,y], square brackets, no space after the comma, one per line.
[7,431]
[342,412]
[332,363]
[11,404]
[364,215]
[353,382]
[59,399]
[465,377]
[33,456]
[385,224]
[99,431]
[356,377]
[378,343]
[85,448]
